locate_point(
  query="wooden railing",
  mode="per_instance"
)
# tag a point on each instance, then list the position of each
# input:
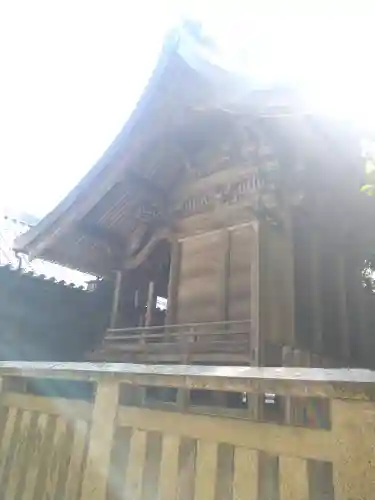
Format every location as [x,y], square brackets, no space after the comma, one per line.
[185,343]
[86,442]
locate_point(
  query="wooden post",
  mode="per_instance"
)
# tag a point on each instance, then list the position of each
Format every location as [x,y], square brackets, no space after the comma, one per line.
[150,304]
[116,300]
[104,415]
[174,277]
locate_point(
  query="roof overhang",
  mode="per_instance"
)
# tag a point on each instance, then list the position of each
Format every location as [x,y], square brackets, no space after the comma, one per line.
[88,230]
[182,84]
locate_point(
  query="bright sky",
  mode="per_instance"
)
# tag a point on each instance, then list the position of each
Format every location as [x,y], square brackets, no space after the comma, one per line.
[72,71]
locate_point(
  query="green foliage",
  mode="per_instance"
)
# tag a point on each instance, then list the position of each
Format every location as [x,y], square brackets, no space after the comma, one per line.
[368,273]
[368,187]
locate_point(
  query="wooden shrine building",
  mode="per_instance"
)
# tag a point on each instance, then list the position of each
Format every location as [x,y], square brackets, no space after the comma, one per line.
[236,209]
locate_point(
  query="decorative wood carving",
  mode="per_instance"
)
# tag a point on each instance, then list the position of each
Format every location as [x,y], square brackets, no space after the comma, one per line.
[241,150]
[220,195]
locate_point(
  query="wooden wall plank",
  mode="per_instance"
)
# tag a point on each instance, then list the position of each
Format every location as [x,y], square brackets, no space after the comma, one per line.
[119,463]
[269,483]
[201,262]
[98,461]
[169,467]
[245,481]
[242,253]
[3,418]
[77,458]
[34,458]
[224,475]
[186,469]
[26,464]
[206,469]
[320,480]
[6,438]
[11,449]
[134,473]
[151,468]
[19,455]
[64,458]
[46,453]
[52,471]
[293,478]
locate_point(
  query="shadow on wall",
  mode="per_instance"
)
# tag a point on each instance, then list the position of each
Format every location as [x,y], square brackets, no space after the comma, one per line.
[44,320]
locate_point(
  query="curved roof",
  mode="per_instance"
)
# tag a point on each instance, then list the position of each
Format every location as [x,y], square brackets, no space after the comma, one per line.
[182,80]
[89,230]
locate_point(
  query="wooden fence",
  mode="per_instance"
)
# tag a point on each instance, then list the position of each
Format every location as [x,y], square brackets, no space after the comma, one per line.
[117,431]
[213,342]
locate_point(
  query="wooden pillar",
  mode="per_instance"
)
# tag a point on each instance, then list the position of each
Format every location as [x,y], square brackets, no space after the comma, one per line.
[256,354]
[288,271]
[277,301]
[316,291]
[363,331]
[174,278]
[96,474]
[224,276]
[219,398]
[255,401]
[365,348]
[357,306]
[150,304]
[116,300]
[343,320]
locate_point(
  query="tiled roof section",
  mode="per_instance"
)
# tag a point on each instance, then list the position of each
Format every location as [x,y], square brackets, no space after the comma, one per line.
[12,226]
[5,269]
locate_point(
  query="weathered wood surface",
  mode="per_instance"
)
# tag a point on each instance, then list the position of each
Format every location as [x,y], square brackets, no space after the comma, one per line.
[55,448]
[186,342]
